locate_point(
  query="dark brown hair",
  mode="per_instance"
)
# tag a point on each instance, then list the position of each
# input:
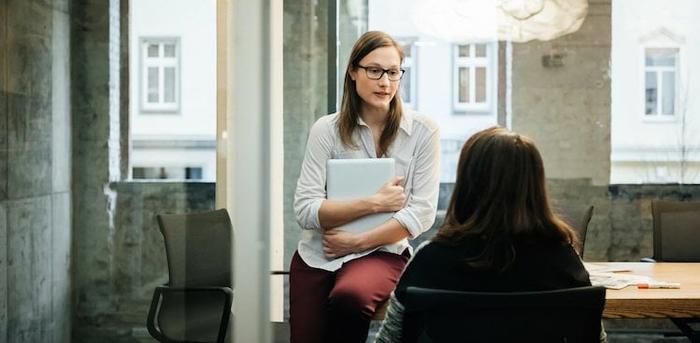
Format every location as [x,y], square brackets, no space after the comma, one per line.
[500,197]
[352,102]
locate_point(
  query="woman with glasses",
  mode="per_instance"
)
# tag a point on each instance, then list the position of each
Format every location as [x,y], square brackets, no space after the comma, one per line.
[333,299]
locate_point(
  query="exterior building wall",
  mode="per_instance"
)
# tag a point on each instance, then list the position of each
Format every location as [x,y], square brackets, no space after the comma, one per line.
[644,148]
[193,24]
[566,109]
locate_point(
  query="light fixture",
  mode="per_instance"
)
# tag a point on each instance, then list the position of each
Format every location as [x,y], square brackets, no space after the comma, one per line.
[484,20]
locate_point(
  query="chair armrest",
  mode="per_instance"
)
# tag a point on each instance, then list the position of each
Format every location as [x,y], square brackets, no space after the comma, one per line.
[155,302]
[647,259]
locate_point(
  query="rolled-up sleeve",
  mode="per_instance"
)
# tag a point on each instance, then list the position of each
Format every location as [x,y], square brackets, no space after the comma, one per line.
[311,190]
[419,213]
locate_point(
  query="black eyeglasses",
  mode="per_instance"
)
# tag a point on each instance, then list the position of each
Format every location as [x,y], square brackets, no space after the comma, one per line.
[376,73]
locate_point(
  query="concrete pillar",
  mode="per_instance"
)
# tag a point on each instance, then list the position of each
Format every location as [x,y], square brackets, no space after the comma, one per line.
[35,197]
[95,136]
[305,95]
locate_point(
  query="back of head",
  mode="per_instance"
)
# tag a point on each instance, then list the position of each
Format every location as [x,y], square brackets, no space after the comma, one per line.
[500,197]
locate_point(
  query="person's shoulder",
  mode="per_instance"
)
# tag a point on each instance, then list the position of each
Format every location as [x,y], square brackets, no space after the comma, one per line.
[423,122]
[430,250]
[325,125]
[327,121]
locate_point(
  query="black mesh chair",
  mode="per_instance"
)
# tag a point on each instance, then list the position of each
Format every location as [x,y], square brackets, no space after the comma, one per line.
[676,231]
[195,306]
[578,218]
[567,315]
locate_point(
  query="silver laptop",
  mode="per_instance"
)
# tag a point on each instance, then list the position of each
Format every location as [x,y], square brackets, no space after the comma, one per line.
[348,179]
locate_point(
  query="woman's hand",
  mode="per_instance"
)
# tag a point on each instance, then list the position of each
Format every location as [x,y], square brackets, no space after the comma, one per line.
[338,243]
[391,196]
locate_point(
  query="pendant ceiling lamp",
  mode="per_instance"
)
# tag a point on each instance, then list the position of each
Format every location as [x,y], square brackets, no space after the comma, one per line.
[512,20]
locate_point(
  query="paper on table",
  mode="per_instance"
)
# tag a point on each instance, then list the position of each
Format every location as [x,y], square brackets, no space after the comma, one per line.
[617,281]
[597,268]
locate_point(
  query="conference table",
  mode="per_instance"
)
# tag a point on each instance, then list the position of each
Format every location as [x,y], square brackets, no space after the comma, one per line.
[631,302]
[681,305]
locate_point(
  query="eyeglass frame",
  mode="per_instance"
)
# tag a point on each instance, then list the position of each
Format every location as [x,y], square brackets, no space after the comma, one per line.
[384,71]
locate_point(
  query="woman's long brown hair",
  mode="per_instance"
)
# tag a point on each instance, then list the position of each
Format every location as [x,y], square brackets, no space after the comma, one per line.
[499,197]
[352,102]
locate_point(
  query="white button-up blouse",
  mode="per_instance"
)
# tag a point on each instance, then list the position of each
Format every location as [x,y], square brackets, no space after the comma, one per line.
[416,151]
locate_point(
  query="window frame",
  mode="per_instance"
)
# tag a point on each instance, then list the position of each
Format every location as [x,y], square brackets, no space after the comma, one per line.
[489,62]
[658,70]
[161,63]
[411,66]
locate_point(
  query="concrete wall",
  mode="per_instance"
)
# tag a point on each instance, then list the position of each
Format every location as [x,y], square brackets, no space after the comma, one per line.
[35,195]
[93,241]
[566,109]
[305,96]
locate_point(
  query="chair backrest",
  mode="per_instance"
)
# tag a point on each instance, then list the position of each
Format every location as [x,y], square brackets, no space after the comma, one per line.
[199,253]
[676,231]
[567,315]
[198,248]
[578,218]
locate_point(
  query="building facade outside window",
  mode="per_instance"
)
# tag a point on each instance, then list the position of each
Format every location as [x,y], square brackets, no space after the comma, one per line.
[660,82]
[409,80]
[474,66]
[160,74]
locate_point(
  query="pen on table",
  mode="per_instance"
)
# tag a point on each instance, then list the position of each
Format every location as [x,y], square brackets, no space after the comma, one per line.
[659,285]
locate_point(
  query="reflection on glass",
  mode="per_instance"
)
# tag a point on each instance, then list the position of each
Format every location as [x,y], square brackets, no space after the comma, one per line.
[464,50]
[169,50]
[669,92]
[169,84]
[650,93]
[152,84]
[406,85]
[463,84]
[480,87]
[480,50]
[661,56]
[153,50]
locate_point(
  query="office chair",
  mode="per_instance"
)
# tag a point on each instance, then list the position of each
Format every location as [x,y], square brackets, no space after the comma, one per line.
[195,305]
[578,218]
[567,315]
[676,231]
[676,238]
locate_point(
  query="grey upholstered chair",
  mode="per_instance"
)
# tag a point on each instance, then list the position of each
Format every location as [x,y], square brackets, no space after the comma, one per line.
[578,218]
[676,231]
[195,305]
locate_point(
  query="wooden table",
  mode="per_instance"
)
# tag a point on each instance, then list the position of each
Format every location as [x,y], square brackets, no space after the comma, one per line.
[631,302]
[681,306]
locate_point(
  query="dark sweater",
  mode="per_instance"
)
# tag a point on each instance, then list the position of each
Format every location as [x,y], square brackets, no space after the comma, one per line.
[537,266]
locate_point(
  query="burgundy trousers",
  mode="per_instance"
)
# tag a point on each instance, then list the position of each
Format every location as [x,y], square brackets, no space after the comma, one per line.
[338,306]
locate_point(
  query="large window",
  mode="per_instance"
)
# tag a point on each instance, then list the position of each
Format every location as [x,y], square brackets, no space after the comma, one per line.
[160,74]
[408,81]
[473,69]
[172,92]
[660,82]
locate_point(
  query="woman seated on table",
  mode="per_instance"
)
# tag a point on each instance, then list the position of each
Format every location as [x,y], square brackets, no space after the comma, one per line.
[500,233]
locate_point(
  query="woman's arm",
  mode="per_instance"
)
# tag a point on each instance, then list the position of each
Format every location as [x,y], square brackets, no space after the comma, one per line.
[389,198]
[338,243]
[423,187]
